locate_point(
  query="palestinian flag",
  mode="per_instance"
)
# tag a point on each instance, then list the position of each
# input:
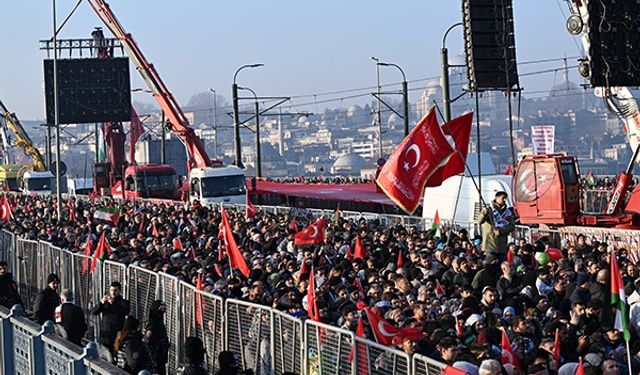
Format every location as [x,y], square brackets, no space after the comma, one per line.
[435,227]
[111,214]
[101,252]
[590,180]
[618,299]
[439,290]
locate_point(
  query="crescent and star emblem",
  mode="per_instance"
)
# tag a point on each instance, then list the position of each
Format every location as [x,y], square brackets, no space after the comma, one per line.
[383,331]
[416,149]
[315,231]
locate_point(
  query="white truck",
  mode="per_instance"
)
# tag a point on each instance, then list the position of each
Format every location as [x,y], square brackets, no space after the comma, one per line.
[218,185]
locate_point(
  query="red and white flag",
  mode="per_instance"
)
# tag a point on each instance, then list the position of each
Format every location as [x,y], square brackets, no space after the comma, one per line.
[385,332]
[459,130]
[251,209]
[235,256]
[312,234]
[5,209]
[403,177]
[312,308]
[507,353]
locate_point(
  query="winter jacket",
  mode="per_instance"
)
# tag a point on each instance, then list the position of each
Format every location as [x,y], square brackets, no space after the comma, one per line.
[45,305]
[134,356]
[113,315]
[490,242]
[9,291]
[156,338]
[71,318]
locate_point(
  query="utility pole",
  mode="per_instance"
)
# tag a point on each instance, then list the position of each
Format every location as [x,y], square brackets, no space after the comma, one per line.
[444,79]
[215,124]
[258,148]
[56,113]
[236,120]
[378,119]
[405,96]
[162,146]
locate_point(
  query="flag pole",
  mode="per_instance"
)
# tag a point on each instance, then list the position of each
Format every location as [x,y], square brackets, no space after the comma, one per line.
[628,357]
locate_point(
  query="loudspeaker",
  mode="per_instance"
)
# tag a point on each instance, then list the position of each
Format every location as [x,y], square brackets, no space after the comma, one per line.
[614,35]
[89,90]
[490,44]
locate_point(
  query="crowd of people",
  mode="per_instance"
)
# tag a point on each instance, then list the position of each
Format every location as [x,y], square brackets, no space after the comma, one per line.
[322,180]
[462,292]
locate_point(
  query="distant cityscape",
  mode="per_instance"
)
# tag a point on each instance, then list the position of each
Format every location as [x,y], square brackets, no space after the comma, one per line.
[346,141]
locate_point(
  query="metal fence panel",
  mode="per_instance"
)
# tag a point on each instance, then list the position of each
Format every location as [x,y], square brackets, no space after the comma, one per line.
[59,354]
[143,291]
[203,317]
[374,359]
[114,271]
[248,333]
[27,274]
[422,365]
[287,343]
[87,290]
[6,243]
[169,294]
[328,350]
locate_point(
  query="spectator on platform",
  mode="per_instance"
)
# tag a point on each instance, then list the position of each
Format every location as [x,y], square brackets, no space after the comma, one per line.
[8,288]
[156,338]
[47,300]
[498,222]
[132,354]
[70,319]
[114,310]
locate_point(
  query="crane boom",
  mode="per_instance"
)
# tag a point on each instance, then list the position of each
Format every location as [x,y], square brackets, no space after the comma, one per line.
[22,138]
[619,100]
[197,156]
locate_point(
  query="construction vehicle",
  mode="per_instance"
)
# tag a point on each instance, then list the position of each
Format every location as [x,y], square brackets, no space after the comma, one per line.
[203,172]
[26,178]
[546,187]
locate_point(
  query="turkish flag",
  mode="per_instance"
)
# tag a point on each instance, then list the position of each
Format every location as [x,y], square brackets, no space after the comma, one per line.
[312,234]
[385,332]
[458,129]
[304,268]
[251,209]
[235,256]
[312,308]
[417,158]
[507,353]
[359,252]
[5,209]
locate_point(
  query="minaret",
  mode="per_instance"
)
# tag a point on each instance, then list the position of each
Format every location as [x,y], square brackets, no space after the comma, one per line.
[565,72]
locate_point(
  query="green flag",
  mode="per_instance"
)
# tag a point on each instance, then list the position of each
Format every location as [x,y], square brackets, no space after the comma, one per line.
[619,300]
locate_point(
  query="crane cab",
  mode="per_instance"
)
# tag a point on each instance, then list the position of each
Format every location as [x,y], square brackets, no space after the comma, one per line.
[547,190]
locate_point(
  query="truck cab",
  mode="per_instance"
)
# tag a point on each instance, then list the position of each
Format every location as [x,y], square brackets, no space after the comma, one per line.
[148,181]
[9,176]
[37,182]
[215,185]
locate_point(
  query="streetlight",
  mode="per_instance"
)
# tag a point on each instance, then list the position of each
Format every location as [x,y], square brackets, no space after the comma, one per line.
[215,123]
[258,152]
[236,125]
[378,111]
[444,64]
[405,96]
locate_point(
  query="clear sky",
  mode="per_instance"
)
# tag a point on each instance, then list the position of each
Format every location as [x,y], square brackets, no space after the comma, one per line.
[307,46]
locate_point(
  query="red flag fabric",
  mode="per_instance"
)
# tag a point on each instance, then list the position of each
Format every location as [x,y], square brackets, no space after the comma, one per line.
[235,256]
[510,256]
[199,306]
[556,349]
[358,284]
[154,230]
[507,353]
[312,308]
[216,267]
[450,370]
[459,328]
[293,226]
[399,262]
[508,171]
[580,369]
[135,130]
[439,290]
[26,207]
[363,360]
[349,254]
[402,178]
[87,252]
[359,252]
[251,209]
[177,244]
[312,234]
[141,227]
[101,249]
[5,209]
[72,211]
[221,246]
[459,129]
[385,332]
[304,268]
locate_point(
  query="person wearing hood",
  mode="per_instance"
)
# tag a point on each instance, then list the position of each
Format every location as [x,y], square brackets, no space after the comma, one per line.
[132,353]
[8,288]
[497,222]
[156,338]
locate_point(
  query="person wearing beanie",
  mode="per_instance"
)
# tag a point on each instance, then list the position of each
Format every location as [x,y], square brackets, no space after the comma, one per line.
[156,337]
[194,355]
[132,353]
[47,300]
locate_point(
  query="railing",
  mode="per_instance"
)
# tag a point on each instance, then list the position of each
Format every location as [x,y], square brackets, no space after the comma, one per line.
[268,341]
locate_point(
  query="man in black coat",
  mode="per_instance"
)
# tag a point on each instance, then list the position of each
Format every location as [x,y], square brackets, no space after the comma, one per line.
[71,318]
[47,300]
[114,309]
[156,337]
[8,288]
